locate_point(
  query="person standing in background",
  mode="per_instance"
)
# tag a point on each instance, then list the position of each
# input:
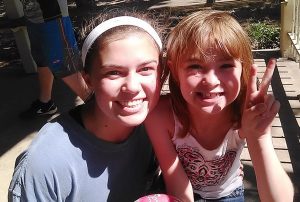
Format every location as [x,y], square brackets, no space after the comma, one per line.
[54,49]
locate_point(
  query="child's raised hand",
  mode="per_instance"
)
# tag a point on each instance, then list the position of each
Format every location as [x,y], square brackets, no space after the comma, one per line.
[260,108]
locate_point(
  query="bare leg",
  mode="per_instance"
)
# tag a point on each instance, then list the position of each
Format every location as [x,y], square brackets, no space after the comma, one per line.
[45,78]
[44,105]
[78,85]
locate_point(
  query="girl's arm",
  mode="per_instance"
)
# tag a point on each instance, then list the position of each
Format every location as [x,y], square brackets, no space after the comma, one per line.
[272,181]
[159,125]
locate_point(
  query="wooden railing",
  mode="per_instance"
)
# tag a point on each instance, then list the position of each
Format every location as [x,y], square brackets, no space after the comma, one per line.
[290,29]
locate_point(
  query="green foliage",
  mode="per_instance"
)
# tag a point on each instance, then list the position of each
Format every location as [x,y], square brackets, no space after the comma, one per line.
[264,35]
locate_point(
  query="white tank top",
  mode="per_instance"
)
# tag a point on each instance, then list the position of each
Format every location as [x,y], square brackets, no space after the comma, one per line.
[213,173]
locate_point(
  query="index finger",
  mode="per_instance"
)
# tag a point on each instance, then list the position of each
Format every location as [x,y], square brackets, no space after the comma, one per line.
[266,80]
[252,82]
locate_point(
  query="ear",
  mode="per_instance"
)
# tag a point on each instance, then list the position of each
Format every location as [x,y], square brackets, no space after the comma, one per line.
[88,80]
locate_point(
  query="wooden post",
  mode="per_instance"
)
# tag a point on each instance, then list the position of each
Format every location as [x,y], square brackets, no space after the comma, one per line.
[14,9]
[286,27]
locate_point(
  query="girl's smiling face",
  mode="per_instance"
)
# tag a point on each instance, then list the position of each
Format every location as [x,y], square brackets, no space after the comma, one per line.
[125,79]
[211,85]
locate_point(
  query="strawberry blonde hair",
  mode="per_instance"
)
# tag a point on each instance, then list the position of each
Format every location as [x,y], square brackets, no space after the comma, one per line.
[199,32]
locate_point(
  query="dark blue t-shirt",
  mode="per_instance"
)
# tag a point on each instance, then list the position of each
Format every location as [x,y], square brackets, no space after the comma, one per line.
[67,163]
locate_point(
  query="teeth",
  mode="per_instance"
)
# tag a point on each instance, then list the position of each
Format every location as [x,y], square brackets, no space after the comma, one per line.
[210,95]
[131,104]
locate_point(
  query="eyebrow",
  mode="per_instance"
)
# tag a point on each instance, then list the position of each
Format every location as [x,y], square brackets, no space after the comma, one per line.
[193,59]
[197,59]
[118,66]
[149,61]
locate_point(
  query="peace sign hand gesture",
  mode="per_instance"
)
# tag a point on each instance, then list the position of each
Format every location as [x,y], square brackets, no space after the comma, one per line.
[260,108]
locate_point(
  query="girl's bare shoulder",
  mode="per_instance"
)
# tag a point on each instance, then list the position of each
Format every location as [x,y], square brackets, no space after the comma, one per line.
[163,110]
[160,120]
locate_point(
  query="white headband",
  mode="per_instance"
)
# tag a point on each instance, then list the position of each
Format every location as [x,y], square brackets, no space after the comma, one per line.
[115,22]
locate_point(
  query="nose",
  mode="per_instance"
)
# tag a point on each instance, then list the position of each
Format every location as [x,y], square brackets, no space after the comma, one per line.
[210,78]
[131,84]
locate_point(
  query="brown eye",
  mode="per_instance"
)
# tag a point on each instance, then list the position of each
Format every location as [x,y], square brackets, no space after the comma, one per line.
[194,66]
[113,73]
[144,69]
[226,66]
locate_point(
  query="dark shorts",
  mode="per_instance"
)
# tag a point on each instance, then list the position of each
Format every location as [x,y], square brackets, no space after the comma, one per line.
[53,45]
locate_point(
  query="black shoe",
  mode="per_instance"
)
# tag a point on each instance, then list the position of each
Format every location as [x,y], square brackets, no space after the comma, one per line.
[39,108]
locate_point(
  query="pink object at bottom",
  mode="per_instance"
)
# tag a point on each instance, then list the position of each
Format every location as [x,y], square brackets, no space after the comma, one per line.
[158,198]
